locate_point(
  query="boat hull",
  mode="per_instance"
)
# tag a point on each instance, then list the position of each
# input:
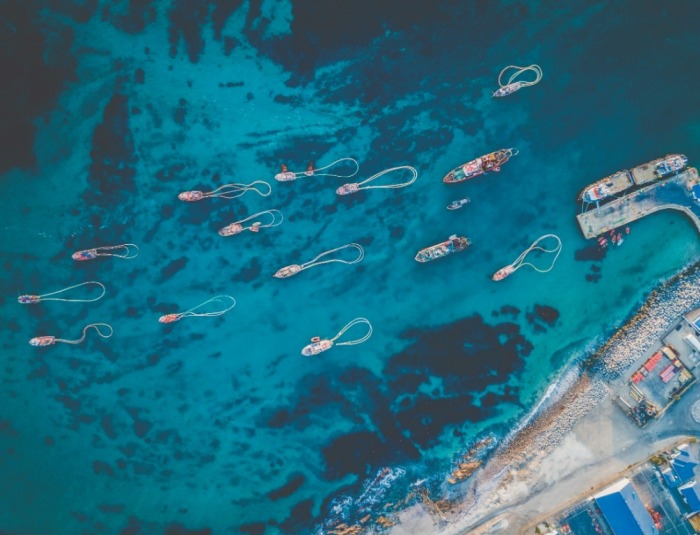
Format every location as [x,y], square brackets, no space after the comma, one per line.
[454,244]
[637,176]
[487,163]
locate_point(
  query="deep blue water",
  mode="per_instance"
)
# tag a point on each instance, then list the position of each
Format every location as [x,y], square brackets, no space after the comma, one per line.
[219,424]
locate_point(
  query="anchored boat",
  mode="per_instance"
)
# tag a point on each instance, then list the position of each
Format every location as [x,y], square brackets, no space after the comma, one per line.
[659,168]
[640,175]
[610,185]
[454,244]
[490,162]
[455,205]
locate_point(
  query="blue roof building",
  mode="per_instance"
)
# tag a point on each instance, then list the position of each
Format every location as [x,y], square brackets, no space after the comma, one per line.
[691,493]
[624,510]
[684,463]
[681,467]
[671,478]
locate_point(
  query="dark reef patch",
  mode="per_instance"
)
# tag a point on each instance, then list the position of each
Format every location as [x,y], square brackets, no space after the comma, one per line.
[249,272]
[111,508]
[172,268]
[108,427]
[320,31]
[179,529]
[548,314]
[180,113]
[467,354]
[355,453]
[188,19]
[135,527]
[101,467]
[137,15]
[463,358]
[590,253]
[254,528]
[509,309]
[427,416]
[111,174]
[231,84]
[290,487]
[300,518]
[7,429]
[142,427]
[37,61]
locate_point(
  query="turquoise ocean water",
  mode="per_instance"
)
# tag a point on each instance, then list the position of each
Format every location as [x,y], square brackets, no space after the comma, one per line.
[219,424]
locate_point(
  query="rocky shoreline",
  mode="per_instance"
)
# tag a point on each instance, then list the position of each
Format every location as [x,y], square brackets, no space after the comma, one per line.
[488,493]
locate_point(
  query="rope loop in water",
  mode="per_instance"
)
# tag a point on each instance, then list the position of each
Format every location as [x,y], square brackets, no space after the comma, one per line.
[237,227]
[129,251]
[30,299]
[285,175]
[293,269]
[513,84]
[354,322]
[225,300]
[228,191]
[520,261]
[43,341]
[347,189]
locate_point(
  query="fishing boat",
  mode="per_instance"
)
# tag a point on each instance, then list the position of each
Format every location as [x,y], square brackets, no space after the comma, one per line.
[490,162]
[454,244]
[637,176]
[455,205]
[671,164]
[610,185]
[659,168]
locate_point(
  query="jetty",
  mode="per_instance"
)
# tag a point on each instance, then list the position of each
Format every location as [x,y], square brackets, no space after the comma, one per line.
[671,193]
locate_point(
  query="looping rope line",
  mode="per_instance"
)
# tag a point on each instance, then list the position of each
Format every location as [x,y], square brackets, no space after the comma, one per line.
[354,187]
[237,227]
[513,85]
[520,261]
[131,251]
[348,326]
[169,318]
[30,299]
[293,269]
[95,326]
[286,176]
[41,341]
[227,191]
[318,345]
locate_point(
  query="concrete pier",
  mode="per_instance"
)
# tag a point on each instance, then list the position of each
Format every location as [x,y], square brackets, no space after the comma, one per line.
[671,193]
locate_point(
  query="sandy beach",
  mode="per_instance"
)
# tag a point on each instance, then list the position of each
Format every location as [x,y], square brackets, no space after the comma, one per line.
[579,441]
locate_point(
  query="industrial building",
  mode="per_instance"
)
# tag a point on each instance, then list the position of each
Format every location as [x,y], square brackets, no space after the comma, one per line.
[624,511]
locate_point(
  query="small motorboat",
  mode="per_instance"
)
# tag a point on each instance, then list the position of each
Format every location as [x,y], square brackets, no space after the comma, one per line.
[456,205]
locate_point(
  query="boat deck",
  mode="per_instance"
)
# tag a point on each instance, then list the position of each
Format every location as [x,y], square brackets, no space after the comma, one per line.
[672,193]
[645,173]
[614,184]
